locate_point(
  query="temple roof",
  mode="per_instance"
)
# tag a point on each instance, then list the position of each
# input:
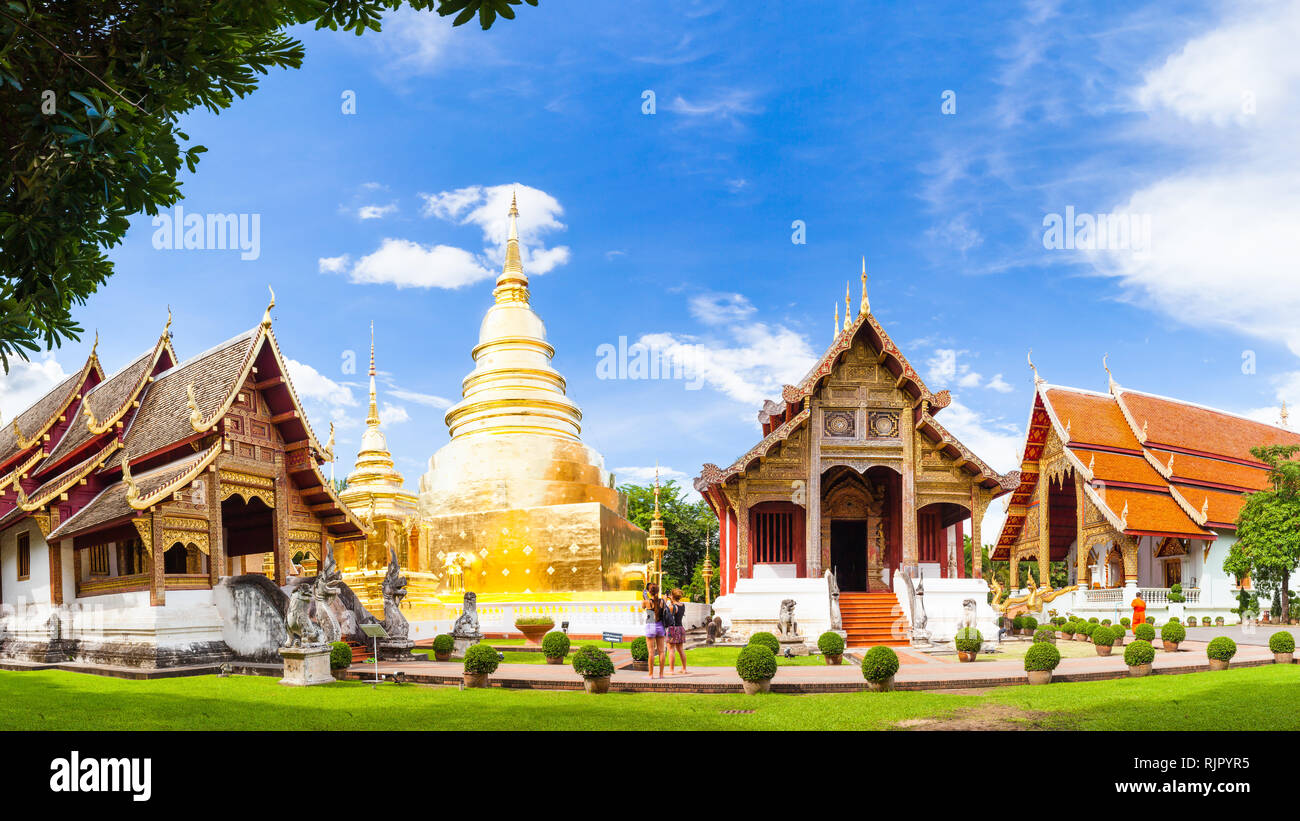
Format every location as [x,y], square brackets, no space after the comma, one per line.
[1152,465]
[29,427]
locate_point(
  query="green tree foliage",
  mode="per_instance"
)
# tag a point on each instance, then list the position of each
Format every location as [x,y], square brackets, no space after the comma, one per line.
[691,528]
[92,92]
[1268,527]
[1058,572]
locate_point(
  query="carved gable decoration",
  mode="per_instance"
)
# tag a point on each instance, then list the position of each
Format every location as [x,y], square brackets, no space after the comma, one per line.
[839,423]
[1170,546]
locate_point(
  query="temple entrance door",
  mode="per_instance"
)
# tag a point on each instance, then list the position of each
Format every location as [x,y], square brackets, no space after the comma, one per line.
[849,554]
[249,536]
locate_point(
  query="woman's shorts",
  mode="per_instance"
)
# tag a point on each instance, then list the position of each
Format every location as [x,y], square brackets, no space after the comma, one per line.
[676,635]
[654,630]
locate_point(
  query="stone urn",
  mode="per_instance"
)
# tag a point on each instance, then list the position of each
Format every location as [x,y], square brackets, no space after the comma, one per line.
[1139,670]
[550,660]
[1169,646]
[834,658]
[1282,658]
[533,632]
[966,655]
[596,684]
[755,687]
[1218,664]
[476,679]
[1103,649]
[886,686]
[1040,676]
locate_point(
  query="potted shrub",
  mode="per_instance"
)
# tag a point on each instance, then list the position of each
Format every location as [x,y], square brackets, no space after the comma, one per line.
[1151,620]
[832,647]
[967,642]
[443,644]
[1028,625]
[1040,660]
[1138,656]
[1126,623]
[555,646]
[1044,634]
[1218,621]
[1205,621]
[1017,624]
[1145,632]
[595,667]
[1191,621]
[1220,651]
[756,665]
[640,654]
[1171,634]
[1103,639]
[1094,620]
[1067,630]
[1085,630]
[480,662]
[879,665]
[534,627]
[1282,643]
[1176,600]
[768,640]
[341,658]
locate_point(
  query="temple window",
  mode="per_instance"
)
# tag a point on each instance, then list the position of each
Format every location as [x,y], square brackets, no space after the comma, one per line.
[24,556]
[774,538]
[99,560]
[175,559]
[130,557]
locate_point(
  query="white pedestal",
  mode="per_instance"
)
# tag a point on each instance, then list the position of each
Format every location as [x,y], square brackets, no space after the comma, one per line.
[305,666]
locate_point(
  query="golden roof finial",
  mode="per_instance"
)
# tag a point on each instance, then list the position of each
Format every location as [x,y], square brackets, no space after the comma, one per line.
[1170,467]
[1123,517]
[23,441]
[1092,458]
[94,345]
[196,416]
[132,491]
[512,285]
[836,333]
[1282,416]
[1111,384]
[656,488]
[1205,508]
[329,446]
[266,317]
[372,418]
[848,307]
[167,329]
[1038,380]
[866,306]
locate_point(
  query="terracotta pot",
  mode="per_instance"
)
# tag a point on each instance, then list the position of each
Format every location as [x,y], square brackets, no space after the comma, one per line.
[966,655]
[476,680]
[550,660]
[1103,649]
[596,685]
[533,632]
[441,656]
[340,675]
[835,658]
[885,686]
[641,666]
[1061,635]
[1139,670]
[755,687]
[1040,676]
[1025,631]
[1282,658]
[1119,641]
[1170,646]
[1218,664]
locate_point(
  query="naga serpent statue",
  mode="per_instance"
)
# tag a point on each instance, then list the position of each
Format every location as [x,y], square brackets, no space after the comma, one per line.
[394,590]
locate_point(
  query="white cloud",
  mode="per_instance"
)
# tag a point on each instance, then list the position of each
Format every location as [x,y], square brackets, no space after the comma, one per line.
[415,42]
[749,368]
[726,105]
[408,264]
[999,444]
[946,370]
[311,384]
[943,366]
[646,475]
[333,265]
[420,398]
[27,382]
[717,309]
[372,212]
[488,208]
[393,414]
[999,384]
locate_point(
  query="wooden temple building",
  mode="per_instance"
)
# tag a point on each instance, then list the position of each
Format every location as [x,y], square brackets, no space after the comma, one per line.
[855,475]
[1136,493]
[126,498]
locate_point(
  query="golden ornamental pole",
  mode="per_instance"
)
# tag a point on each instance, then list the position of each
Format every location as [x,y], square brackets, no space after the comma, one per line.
[707,574]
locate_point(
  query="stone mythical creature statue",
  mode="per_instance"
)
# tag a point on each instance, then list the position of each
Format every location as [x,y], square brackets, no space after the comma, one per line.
[467,625]
[394,590]
[967,618]
[786,626]
[303,631]
[919,634]
[324,591]
[833,587]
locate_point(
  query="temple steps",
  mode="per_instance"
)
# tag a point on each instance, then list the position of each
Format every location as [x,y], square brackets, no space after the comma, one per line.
[873,619]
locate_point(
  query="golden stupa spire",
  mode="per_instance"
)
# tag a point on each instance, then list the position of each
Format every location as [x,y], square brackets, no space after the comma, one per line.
[372,418]
[848,307]
[836,333]
[657,540]
[1283,415]
[866,306]
[512,285]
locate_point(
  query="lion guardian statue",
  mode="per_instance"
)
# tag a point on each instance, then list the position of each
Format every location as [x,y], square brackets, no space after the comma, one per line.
[786,626]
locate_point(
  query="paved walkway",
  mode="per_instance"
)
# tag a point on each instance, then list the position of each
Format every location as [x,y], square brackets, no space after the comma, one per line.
[917,671]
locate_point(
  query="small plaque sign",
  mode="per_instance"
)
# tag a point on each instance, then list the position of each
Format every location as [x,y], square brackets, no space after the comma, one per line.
[612,638]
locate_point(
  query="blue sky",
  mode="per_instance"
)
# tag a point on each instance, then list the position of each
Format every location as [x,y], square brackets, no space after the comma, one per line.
[676,226]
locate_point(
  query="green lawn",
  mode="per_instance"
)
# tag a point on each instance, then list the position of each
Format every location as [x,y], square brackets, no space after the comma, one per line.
[1237,699]
[726,657]
[512,656]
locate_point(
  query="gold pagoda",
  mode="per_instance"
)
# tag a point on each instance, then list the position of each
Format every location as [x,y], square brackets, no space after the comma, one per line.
[515,507]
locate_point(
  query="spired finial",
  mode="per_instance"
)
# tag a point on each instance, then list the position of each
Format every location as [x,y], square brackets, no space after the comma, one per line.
[1091,460]
[656,488]
[865,307]
[1282,415]
[1111,384]
[848,307]
[167,329]
[1038,380]
[512,285]
[835,334]
[372,418]
[266,317]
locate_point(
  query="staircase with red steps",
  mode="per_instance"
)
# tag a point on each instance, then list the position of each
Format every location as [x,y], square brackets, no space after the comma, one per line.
[873,619]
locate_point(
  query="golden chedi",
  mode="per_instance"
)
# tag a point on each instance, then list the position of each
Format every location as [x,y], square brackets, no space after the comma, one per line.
[515,506]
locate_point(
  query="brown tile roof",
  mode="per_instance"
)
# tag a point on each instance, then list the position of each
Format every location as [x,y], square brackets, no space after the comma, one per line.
[1178,424]
[1118,467]
[1093,419]
[1224,504]
[111,502]
[1202,469]
[164,415]
[33,420]
[1152,511]
[104,401]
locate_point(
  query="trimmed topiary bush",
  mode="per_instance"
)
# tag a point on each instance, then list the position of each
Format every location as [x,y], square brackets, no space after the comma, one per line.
[968,640]
[1094,620]
[1106,622]
[1068,629]
[1103,635]
[443,643]
[1018,622]
[1042,657]
[1191,621]
[768,640]
[1045,634]
[1173,631]
[831,644]
[1205,621]
[1151,619]
[1126,621]
[1139,652]
[534,621]
[1221,648]
[1280,642]
[555,645]
[640,649]
[879,664]
[1145,632]
[756,662]
[481,658]
[592,662]
[1087,628]
[341,656]
[1030,623]
[1218,620]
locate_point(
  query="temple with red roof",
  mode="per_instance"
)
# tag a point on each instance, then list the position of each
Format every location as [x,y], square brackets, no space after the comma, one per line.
[126,498]
[1136,493]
